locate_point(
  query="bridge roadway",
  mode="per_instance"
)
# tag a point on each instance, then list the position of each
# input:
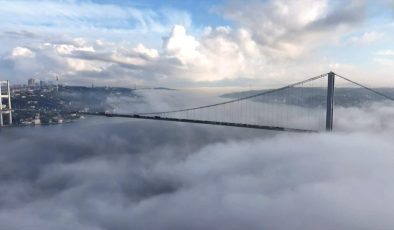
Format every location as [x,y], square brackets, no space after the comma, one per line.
[137,116]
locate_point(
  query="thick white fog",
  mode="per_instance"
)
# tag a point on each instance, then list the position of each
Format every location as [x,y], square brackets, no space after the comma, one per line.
[108,173]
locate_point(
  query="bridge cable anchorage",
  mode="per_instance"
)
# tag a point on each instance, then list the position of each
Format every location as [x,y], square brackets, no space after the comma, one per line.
[239,99]
[367,88]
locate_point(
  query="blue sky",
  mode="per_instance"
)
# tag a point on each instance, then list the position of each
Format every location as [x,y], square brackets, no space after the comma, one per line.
[196,43]
[202,12]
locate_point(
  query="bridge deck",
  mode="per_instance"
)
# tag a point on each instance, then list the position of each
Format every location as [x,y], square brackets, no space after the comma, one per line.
[136,116]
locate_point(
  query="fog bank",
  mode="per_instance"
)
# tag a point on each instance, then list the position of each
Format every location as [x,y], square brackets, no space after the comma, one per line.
[107,173]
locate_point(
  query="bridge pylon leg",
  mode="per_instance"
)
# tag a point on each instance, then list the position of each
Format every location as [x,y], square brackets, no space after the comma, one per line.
[330,101]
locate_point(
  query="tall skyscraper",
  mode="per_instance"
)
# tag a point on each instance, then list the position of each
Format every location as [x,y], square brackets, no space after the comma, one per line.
[31,82]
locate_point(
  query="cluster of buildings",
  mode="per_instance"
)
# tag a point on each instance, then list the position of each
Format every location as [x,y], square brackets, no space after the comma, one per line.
[37,120]
[37,103]
[45,102]
[33,83]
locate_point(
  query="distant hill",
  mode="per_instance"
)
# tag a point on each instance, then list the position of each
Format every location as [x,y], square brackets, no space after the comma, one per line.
[91,98]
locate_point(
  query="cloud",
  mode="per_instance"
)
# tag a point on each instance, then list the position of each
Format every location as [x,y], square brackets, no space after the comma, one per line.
[82,15]
[125,173]
[387,62]
[271,43]
[21,52]
[65,49]
[384,58]
[219,54]
[366,38]
[179,43]
[375,117]
[388,3]
[385,53]
[150,53]
[288,29]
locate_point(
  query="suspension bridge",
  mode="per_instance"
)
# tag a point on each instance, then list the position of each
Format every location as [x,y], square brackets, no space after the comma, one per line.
[305,106]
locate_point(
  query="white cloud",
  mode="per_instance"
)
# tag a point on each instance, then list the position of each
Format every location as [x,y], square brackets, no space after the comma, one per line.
[21,52]
[81,65]
[289,29]
[366,38]
[141,49]
[63,49]
[271,42]
[385,53]
[385,58]
[87,14]
[219,54]
[181,45]
[388,62]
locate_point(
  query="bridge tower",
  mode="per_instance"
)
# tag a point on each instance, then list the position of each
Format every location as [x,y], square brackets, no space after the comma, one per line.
[5,103]
[330,101]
